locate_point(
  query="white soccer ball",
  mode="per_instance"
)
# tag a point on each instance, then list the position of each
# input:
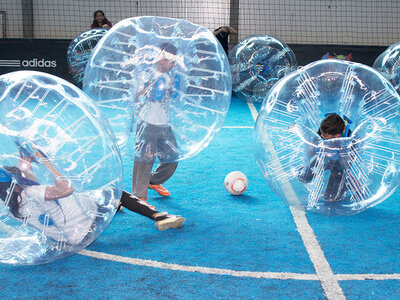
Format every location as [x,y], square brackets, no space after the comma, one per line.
[236,183]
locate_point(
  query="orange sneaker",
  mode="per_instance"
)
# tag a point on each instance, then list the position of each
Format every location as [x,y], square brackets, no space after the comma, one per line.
[159,189]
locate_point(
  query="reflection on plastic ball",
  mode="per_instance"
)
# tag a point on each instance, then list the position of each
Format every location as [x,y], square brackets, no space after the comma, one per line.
[236,183]
[165,75]
[79,51]
[257,63]
[60,169]
[345,173]
[388,64]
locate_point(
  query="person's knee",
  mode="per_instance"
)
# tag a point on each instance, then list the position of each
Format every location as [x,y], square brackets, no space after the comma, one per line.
[163,172]
[306,175]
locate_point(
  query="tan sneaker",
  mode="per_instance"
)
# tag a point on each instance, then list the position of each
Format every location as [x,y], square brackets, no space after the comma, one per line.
[170,221]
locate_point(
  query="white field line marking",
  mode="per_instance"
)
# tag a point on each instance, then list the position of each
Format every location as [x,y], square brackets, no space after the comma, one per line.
[342,277]
[218,271]
[309,240]
[245,127]
[196,269]
[324,272]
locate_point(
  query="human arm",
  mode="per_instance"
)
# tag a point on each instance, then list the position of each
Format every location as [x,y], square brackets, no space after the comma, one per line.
[62,187]
[25,165]
[220,29]
[232,30]
[225,29]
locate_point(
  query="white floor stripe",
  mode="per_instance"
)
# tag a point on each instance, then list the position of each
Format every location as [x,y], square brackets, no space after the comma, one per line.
[218,271]
[342,277]
[245,127]
[324,272]
[196,269]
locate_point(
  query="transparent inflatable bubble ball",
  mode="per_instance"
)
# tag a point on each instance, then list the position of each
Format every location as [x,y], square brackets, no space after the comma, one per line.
[388,64]
[257,63]
[328,136]
[169,73]
[79,51]
[60,169]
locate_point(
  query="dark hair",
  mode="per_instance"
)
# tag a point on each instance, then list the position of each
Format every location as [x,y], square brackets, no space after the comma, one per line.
[332,124]
[13,170]
[95,23]
[13,202]
[168,47]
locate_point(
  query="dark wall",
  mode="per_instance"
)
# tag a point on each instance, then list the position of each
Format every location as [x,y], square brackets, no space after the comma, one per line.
[306,54]
[43,55]
[50,56]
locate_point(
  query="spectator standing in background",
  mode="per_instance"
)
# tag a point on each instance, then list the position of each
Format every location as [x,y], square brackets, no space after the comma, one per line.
[100,20]
[222,34]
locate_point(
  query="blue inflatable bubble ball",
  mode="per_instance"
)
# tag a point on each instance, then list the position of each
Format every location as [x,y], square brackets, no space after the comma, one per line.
[79,51]
[257,63]
[60,169]
[328,138]
[388,64]
[164,84]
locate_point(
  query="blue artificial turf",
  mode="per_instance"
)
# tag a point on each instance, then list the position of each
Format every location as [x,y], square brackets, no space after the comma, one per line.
[253,232]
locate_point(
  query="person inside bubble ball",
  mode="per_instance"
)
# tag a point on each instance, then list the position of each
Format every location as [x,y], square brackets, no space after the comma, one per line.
[100,21]
[51,209]
[154,135]
[222,34]
[332,127]
[55,210]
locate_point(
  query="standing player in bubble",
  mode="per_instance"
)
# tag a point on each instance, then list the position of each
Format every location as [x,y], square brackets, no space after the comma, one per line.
[154,135]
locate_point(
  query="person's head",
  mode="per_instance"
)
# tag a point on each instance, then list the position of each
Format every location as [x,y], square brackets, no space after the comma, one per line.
[167,57]
[331,127]
[99,18]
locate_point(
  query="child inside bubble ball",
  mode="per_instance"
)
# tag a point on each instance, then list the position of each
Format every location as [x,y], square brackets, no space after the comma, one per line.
[51,209]
[333,126]
[154,134]
[55,210]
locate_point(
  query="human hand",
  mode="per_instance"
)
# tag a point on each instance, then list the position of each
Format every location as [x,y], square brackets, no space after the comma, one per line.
[232,30]
[24,163]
